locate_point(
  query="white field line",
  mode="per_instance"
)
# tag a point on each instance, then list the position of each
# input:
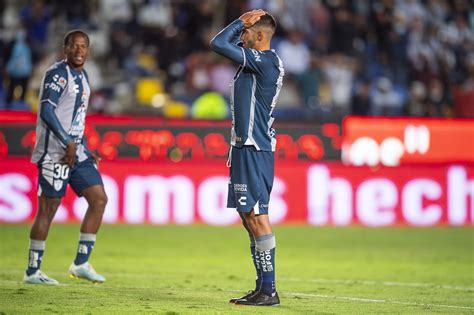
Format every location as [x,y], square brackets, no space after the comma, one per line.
[383,283]
[309,295]
[357,299]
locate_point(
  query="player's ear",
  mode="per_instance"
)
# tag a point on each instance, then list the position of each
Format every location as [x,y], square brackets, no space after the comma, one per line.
[259,35]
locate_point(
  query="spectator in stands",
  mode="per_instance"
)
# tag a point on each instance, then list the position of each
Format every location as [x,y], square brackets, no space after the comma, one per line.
[385,100]
[294,53]
[417,100]
[18,68]
[339,71]
[36,18]
[361,99]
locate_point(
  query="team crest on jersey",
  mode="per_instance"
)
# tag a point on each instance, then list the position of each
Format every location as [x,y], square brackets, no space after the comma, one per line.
[58,184]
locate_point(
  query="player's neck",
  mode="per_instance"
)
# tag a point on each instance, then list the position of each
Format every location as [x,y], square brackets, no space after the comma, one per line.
[75,68]
[260,46]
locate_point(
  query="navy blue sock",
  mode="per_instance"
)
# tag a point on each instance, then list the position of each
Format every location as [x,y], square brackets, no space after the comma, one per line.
[265,250]
[84,250]
[35,256]
[256,264]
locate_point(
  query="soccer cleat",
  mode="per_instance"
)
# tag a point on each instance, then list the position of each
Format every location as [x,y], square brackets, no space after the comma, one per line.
[245,297]
[39,278]
[85,271]
[261,299]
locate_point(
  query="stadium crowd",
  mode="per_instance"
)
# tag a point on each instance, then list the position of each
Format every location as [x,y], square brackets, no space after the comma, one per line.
[377,57]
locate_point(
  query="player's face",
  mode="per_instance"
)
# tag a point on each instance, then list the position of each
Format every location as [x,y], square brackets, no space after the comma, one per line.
[248,38]
[77,50]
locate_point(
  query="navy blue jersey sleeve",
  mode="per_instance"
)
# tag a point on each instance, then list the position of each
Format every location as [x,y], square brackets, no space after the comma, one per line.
[48,115]
[225,43]
[54,84]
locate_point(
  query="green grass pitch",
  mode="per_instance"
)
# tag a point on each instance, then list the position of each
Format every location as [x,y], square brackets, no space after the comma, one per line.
[196,269]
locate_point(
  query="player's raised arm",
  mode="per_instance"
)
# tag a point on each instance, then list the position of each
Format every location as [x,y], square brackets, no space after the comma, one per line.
[224,42]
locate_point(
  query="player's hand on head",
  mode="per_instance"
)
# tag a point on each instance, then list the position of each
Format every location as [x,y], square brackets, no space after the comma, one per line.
[70,155]
[251,17]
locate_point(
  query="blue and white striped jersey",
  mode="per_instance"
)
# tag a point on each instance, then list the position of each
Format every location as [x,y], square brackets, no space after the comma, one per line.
[254,90]
[65,91]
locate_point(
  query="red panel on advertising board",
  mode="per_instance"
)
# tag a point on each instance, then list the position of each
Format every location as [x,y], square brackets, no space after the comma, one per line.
[303,192]
[398,141]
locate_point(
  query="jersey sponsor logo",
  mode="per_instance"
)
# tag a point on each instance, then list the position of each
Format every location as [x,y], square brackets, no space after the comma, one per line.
[62,82]
[84,97]
[242,201]
[79,122]
[59,80]
[52,86]
[240,187]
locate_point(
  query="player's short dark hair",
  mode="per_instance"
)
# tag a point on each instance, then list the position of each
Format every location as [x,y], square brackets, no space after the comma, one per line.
[267,20]
[72,34]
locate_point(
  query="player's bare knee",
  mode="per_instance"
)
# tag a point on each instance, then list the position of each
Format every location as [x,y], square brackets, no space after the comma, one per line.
[99,203]
[252,223]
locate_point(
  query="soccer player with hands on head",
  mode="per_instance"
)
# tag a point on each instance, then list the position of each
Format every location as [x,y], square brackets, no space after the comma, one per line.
[254,93]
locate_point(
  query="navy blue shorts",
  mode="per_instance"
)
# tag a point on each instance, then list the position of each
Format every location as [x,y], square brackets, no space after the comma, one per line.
[54,177]
[251,179]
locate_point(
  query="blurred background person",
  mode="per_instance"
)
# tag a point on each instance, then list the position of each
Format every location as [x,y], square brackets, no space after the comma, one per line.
[18,68]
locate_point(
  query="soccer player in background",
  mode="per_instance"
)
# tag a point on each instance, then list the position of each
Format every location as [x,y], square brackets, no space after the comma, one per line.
[254,92]
[63,158]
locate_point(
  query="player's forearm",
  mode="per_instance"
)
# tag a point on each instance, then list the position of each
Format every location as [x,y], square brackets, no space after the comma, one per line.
[48,115]
[224,42]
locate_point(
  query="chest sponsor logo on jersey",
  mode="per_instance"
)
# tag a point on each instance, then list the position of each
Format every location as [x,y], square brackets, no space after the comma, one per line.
[78,124]
[84,97]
